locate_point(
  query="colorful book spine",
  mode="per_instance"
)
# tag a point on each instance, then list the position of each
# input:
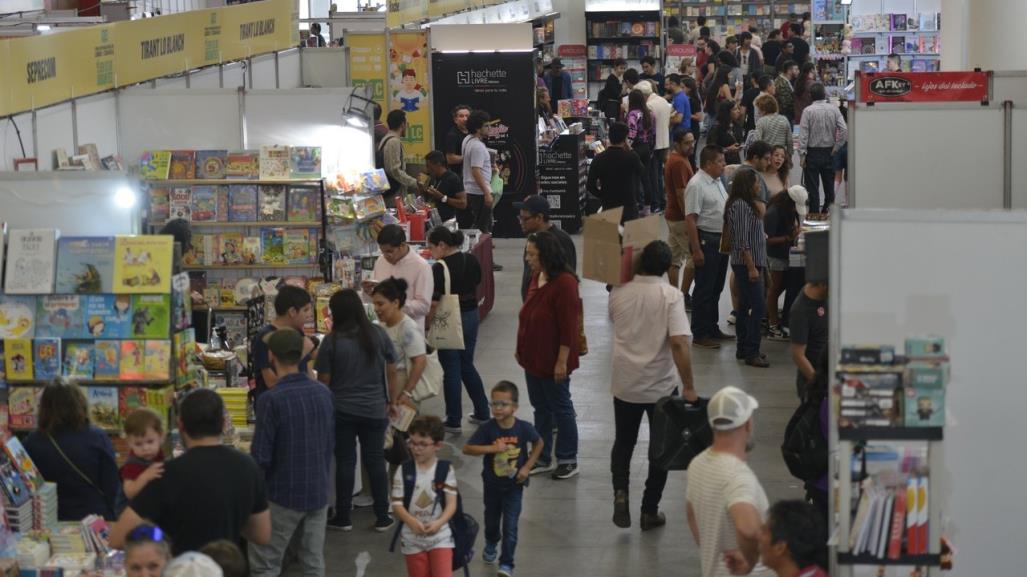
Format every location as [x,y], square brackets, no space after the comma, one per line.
[18,359]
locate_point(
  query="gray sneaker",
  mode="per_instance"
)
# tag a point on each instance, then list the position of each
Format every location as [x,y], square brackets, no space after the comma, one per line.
[566,471]
[540,468]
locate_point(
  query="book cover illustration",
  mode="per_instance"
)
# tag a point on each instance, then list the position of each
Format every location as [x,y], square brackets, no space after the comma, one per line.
[31,256]
[22,403]
[78,360]
[15,489]
[244,165]
[155,165]
[157,360]
[271,203]
[85,264]
[46,358]
[374,180]
[142,264]
[151,316]
[210,164]
[296,245]
[132,366]
[304,205]
[20,457]
[898,44]
[107,365]
[130,399]
[242,203]
[221,194]
[251,252]
[18,359]
[274,162]
[272,245]
[160,204]
[181,301]
[161,400]
[204,204]
[231,250]
[305,162]
[60,316]
[183,165]
[898,22]
[108,316]
[181,203]
[103,407]
[17,316]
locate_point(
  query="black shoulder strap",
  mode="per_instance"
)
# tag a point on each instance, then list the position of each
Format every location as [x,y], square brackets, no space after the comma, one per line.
[409,477]
[441,472]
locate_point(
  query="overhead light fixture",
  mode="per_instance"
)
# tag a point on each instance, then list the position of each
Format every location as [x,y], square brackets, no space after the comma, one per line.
[43,27]
[356,113]
[355,121]
[846,2]
[124,197]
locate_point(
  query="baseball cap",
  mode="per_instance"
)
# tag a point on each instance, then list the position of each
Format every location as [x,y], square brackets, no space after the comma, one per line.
[730,408]
[799,195]
[556,63]
[535,204]
[645,87]
[284,342]
[192,564]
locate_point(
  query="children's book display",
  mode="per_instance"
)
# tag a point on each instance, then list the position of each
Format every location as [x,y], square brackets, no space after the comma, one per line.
[268,163]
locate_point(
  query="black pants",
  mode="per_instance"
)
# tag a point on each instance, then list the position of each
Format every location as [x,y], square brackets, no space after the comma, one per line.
[481,215]
[819,166]
[627,417]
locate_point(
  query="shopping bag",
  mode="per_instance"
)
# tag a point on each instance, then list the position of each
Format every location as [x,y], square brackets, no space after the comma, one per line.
[447,330]
[680,431]
[430,383]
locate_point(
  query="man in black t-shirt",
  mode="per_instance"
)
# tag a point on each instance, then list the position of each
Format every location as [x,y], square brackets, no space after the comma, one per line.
[613,175]
[534,217]
[446,189]
[211,492]
[808,325]
[294,308]
[455,138]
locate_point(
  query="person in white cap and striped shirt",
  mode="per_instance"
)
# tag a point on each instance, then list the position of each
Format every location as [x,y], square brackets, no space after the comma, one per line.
[725,502]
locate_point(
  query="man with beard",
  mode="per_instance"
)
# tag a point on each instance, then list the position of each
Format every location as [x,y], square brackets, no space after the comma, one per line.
[455,138]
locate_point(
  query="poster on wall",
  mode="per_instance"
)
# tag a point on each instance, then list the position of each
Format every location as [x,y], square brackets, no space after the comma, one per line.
[409,92]
[502,84]
[367,65]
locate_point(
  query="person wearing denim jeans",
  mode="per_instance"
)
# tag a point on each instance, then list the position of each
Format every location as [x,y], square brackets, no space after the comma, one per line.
[553,406]
[502,511]
[705,197]
[458,367]
[371,432]
[748,261]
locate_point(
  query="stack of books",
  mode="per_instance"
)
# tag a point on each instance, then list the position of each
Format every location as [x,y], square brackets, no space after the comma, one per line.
[44,508]
[68,538]
[235,403]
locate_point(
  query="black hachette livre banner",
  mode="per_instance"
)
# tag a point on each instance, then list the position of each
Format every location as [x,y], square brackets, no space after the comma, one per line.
[502,84]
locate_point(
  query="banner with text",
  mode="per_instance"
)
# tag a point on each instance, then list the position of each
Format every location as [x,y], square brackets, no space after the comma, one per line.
[409,91]
[368,65]
[502,84]
[924,87]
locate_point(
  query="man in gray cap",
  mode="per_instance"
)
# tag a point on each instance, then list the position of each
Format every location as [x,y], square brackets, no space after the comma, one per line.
[533,213]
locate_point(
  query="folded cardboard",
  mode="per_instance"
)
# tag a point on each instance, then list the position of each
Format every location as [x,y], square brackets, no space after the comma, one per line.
[608,257]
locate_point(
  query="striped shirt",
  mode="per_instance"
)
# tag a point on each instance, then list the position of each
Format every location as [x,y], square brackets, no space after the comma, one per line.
[746,234]
[775,130]
[821,126]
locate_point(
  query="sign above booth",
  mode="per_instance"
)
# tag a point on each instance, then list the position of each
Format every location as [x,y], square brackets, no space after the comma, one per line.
[924,87]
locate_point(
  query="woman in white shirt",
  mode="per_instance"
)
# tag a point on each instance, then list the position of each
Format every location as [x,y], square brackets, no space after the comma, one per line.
[389,296]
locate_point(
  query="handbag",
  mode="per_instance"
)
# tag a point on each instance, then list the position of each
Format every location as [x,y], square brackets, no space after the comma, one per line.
[430,383]
[680,431]
[582,338]
[447,328]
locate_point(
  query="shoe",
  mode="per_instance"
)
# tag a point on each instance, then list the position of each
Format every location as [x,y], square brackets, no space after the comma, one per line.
[688,302]
[643,212]
[489,554]
[741,357]
[650,521]
[339,524]
[775,333]
[621,509]
[505,571]
[565,471]
[453,429]
[706,343]
[731,318]
[540,468]
[721,335]
[476,421]
[383,525]
[361,501]
[497,267]
[760,362]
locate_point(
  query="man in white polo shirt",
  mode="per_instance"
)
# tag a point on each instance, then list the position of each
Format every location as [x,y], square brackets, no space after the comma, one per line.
[661,111]
[705,197]
[650,355]
[725,502]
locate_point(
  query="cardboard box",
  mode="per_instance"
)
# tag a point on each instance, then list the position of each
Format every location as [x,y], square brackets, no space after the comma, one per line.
[925,347]
[608,257]
[868,355]
[925,407]
[927,375]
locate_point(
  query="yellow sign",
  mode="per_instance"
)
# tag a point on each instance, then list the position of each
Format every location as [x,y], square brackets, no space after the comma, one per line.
[367,64]
[263,27]
[405,11]
[155,47]
[409,91]
[42,70]
[5,73]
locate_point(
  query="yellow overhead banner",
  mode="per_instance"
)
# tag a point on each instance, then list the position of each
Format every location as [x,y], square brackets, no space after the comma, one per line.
[409,91]
[368,64]
[5,72]
[155,47]
[406,11]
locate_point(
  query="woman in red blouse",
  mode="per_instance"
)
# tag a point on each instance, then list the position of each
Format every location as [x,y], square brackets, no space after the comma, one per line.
[547,348]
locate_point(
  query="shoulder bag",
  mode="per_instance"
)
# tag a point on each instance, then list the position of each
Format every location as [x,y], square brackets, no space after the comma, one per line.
[75,468]
[447,330]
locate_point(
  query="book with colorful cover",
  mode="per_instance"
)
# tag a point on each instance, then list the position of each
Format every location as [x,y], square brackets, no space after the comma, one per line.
[31,261]
[181,205]
[271,203]
[130,399]
[142,264]
[107,316]
[132,360]
[181,302]
[303,204]
[221,194]
[17,316]
[85,264]
[251,252]
[21,459]
[18,359]
[78,359]
[305,162]
[60,316]
[243,165]
[272,245]
[183,344]
[151,316]
[46,358]
[210,164]
[230,248]
[22,403]
[183,165]
[274,162]
[107,356]
[204,204]
[103,407]
[157,360]
[160,204]
[15,489]
[296,245]
[242,203]
[155,165]
[160,400]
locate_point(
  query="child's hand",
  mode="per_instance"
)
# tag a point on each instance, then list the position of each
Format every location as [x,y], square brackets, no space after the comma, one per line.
[432,528]
[154,471]
[499,446]
[416,526]
[523,473]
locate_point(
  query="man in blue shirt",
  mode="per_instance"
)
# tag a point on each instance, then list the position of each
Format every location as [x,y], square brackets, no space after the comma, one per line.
[293,443]
[681,117]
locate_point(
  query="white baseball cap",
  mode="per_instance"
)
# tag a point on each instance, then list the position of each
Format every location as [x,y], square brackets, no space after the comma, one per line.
[799,195]
[192,564]
[731,408]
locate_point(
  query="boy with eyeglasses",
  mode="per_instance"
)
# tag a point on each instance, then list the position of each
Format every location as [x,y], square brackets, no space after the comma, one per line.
[503,441]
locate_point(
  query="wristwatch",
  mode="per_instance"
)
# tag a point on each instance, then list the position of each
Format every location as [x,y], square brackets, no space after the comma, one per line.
[445,199]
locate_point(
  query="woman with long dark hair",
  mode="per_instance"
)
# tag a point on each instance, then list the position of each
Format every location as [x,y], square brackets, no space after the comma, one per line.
[698,116]
[727,133]
[806,79]
[782,223]
[776,175]
[719,90]
[748,259]
[547,348]
[642,137]
[358,363]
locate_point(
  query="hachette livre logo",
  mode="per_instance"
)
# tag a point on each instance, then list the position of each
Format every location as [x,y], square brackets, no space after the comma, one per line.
[483,77]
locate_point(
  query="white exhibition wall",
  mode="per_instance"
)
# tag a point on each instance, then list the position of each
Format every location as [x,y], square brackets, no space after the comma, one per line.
[199,119]
[76,203]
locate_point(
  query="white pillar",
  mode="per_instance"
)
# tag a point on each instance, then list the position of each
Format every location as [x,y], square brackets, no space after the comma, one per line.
[984,34]
[570,27]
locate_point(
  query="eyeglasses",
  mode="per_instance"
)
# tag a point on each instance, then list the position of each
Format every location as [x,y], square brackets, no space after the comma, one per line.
[145,533]
[501,404]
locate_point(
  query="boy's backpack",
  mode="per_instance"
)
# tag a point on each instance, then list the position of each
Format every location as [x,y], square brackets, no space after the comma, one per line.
[462,525]
[804,448]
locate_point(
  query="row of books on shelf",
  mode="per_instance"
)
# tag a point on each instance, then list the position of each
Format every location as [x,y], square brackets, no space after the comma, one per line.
[572,107]
[94,316]
[891,513]
[45,359]
[615,28]
[88,158]
[274,246]
[236,203]
[268,163]
[897,43]
[356,207]
[40,261]
[108,405]
[827,10]
[911,65]
[634,51]
[922,22]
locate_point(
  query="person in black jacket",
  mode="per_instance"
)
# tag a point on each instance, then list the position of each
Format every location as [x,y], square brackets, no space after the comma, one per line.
[609,96]
[614,174]
[771,50]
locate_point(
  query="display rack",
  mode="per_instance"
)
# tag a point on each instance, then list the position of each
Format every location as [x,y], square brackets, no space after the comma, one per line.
[544,35]
[575,63]
[727,17]
[613,35]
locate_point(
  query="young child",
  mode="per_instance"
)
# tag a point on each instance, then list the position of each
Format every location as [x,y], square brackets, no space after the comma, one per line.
[145,462]
[427,540]
[503,440]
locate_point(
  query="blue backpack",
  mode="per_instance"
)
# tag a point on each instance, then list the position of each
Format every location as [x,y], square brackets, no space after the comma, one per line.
[462,525]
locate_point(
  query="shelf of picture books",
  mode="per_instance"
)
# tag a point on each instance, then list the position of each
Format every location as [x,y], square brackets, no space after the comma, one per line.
[269,164]
[729,17]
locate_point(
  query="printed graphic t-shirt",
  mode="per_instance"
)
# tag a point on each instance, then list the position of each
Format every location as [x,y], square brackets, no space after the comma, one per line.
[425,508]
[501,468]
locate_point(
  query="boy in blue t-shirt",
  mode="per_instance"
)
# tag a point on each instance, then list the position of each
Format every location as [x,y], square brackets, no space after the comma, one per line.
[503,440]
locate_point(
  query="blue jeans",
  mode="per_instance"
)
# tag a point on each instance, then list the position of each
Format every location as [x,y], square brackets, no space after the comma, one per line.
[656,175]
[753,306]
[458,366]
[709,283]
[503,508]
[371,432]
[552,403]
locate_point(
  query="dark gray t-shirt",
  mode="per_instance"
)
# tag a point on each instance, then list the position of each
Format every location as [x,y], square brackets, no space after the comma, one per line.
[808,326]
[357,381]
[570,254]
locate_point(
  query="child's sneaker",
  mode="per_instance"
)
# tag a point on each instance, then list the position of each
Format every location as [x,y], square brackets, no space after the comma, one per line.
[505,571]
[489,554]
[775,333]
[566,471]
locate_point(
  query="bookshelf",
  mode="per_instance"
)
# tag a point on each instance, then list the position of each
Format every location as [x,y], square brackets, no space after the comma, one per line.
[612,35]
[544,35]
[727,17]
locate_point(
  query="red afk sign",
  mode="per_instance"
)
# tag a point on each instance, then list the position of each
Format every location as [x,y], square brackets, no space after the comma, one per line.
[924,86]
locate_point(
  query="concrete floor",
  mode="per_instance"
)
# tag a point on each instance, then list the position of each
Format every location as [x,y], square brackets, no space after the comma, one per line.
[565,526]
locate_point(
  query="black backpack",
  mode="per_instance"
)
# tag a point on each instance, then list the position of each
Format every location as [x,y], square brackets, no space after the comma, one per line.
[379,162]
[680,431]
[804,448]
[462,525]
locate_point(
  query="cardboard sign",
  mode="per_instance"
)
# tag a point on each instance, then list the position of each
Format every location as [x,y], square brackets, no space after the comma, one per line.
[608,257]
[924,87]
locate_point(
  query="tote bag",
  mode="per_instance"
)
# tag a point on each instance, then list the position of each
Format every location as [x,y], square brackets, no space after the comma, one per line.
[447,330]
[430,383]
